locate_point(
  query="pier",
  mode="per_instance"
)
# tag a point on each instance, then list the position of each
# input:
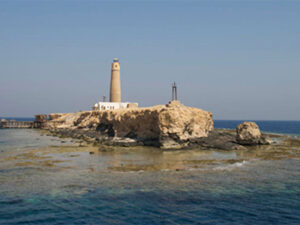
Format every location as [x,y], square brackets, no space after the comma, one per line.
[16,124]
[39,122]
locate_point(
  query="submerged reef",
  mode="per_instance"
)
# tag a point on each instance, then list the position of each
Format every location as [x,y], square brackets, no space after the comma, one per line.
[170,126]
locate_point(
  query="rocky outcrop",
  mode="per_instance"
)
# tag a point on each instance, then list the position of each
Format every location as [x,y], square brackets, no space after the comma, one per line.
[41,118]
[178,123]
[168,126]
[218,139]
[54,116]
[248,133]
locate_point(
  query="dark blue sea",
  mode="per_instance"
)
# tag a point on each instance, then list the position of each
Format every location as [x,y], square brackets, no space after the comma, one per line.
[47,180]
[18,118]
[280,127]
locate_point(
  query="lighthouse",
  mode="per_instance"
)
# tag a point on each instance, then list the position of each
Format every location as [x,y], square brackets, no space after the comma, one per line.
[115,82]
[115,92]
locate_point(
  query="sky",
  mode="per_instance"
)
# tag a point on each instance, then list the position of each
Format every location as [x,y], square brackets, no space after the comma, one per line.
[236,59]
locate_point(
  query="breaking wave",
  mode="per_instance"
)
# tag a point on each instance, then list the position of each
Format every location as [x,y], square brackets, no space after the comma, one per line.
[232,166]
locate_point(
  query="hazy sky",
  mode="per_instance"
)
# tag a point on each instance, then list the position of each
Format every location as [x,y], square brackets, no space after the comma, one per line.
[237,59]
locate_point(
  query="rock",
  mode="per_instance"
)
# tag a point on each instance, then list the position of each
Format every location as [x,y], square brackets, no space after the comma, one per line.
[169,143]
[178,124]
[217,139]
[266,140]
[41,118]
[248,133]
[164,125]
[53,116]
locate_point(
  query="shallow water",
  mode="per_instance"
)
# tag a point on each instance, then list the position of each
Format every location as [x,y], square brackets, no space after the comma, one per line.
[45,181]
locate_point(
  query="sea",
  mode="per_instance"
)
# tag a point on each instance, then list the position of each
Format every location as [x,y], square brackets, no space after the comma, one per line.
[48,180]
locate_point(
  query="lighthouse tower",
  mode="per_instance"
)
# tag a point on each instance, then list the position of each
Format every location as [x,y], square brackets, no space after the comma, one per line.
[115,83]
[115,92]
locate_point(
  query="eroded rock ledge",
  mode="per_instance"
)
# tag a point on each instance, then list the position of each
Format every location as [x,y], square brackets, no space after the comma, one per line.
[170,126]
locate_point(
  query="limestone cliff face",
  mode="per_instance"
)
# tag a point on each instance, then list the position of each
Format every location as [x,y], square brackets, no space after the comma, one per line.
[169,124]
[178,123]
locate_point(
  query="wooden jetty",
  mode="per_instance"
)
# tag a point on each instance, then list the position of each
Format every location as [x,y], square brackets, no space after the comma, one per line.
[39,122]
[16,124]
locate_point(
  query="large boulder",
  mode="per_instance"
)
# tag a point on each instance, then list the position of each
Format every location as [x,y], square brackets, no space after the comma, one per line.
[248,133]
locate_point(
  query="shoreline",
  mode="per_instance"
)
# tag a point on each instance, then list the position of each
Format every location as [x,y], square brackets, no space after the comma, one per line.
[212,142]
[67,149]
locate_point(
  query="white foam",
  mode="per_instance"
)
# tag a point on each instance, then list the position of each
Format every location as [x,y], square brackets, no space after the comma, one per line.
[231,166]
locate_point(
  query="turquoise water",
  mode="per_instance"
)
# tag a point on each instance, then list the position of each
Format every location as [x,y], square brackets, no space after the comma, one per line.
[46,180]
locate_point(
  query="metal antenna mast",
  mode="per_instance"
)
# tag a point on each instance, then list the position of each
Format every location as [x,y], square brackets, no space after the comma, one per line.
[174,91]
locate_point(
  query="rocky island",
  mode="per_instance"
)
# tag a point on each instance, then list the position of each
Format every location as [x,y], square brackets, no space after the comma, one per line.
[170,126]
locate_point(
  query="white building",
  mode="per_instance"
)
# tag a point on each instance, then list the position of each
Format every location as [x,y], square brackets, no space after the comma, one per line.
[114,105]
